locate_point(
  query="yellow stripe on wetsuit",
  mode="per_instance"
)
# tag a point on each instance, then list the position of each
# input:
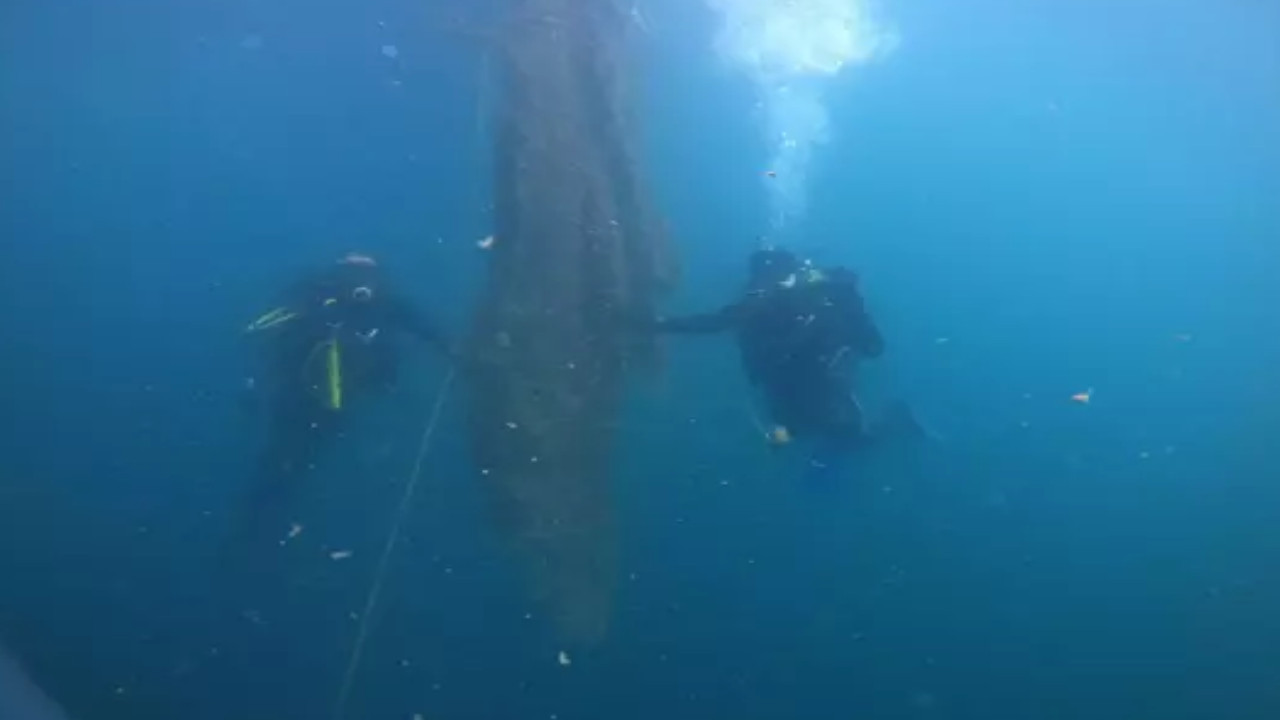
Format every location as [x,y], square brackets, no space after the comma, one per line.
[333,365]
[278,316]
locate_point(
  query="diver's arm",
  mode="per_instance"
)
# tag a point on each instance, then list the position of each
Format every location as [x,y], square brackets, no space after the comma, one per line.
[305,291]
[704,324]
[266,337]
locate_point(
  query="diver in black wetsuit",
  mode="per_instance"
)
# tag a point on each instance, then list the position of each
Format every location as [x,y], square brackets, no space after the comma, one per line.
[801,332]
[331,340]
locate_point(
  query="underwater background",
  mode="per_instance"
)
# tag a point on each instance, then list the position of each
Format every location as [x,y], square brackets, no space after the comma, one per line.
[1042,199]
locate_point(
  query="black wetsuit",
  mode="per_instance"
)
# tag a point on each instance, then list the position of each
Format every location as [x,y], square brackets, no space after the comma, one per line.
[800,343]
[353,307]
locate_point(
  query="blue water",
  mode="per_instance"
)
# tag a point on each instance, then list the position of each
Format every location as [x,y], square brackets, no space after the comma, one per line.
[1041,197]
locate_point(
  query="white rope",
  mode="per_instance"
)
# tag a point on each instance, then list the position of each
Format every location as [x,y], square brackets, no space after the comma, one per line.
[393,538]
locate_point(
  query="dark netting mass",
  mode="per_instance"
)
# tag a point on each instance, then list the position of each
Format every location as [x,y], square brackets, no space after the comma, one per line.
[577,242]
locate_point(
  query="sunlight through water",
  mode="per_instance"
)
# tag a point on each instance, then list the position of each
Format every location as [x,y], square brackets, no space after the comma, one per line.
[791,51]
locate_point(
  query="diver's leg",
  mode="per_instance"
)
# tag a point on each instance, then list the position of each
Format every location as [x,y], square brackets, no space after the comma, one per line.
[841,424]
[800,401]
[291,443]
[299,431]
[898,422]
[798,398]
[254,553]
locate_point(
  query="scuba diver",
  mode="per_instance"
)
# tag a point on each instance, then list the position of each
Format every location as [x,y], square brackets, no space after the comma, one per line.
[331,340]
[329,345]
[801,332]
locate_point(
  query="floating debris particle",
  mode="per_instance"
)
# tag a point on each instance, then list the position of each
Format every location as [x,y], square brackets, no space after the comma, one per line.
[390,51]
[294,531]
[564,659]
[770,173]
[486,242]
[340,554]
[1083,398]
